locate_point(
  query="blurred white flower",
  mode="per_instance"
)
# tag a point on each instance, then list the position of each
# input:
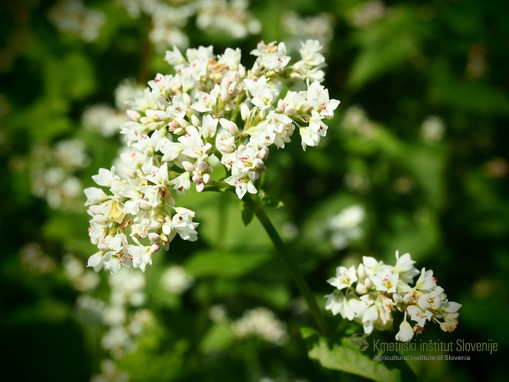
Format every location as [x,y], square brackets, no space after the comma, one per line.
[260,322]
[345,226]
[176,280]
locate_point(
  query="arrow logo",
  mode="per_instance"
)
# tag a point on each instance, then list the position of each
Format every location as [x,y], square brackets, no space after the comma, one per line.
[360,342]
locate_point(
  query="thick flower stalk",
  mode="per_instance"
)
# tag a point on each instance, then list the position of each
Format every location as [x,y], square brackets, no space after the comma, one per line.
[212,113]
[370,293]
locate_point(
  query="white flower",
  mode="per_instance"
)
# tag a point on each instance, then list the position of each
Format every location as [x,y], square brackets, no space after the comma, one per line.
[405,333]
[405,268]
[176,280]
[344,277]
[385,279]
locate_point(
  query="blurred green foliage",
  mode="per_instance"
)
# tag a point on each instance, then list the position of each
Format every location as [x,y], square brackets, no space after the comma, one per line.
[443,198]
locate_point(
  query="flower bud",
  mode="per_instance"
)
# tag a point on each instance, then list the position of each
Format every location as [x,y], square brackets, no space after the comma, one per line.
[103,247]
[188,166]
[244,111]
[361,288]
[202,166]
[361,271]
[263,153]
[229,125]
[154,237]
[133,114]
[405,333]
[195,121]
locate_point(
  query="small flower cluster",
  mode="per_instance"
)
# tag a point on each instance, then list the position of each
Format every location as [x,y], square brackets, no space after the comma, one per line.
[263,323]
[432,129]
[345,226]
[81,278]
[370,293]
[316,27]
[176,280]
[107,120]
[54,171]
[122,314]
[169,20]
[71,16]
[212,113]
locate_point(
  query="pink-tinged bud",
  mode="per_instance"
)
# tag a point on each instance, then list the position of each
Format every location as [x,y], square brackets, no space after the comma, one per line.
[103,247]
[173,125]
[263,153]
[154,237]
[207,178]
[154,248]
[202,166]
[188,166]
[256,175]
[134,115]
[164,238]
[200,187]
[197,179]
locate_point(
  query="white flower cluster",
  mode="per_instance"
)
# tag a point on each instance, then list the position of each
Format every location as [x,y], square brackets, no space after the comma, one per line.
[34,260]
[82,279]
[260,322]
[110,373]
[73,17]
[176,280]
[122,314]
[54,171]
[370,293]
[107,120]
[356,120]
[104,119]
[345,226]
[231,17]
[432,129]
[212,113]
[366,13]
[316,27]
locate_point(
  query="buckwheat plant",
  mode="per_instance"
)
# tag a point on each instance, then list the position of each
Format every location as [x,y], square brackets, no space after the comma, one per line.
[370,293]
[212,113]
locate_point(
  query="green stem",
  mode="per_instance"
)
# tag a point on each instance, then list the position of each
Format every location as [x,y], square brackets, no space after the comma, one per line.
[290,264]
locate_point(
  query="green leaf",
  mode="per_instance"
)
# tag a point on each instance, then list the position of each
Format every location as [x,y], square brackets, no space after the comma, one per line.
[224,264]
[247,213]
[386,46]
[218,338]
[347,359]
